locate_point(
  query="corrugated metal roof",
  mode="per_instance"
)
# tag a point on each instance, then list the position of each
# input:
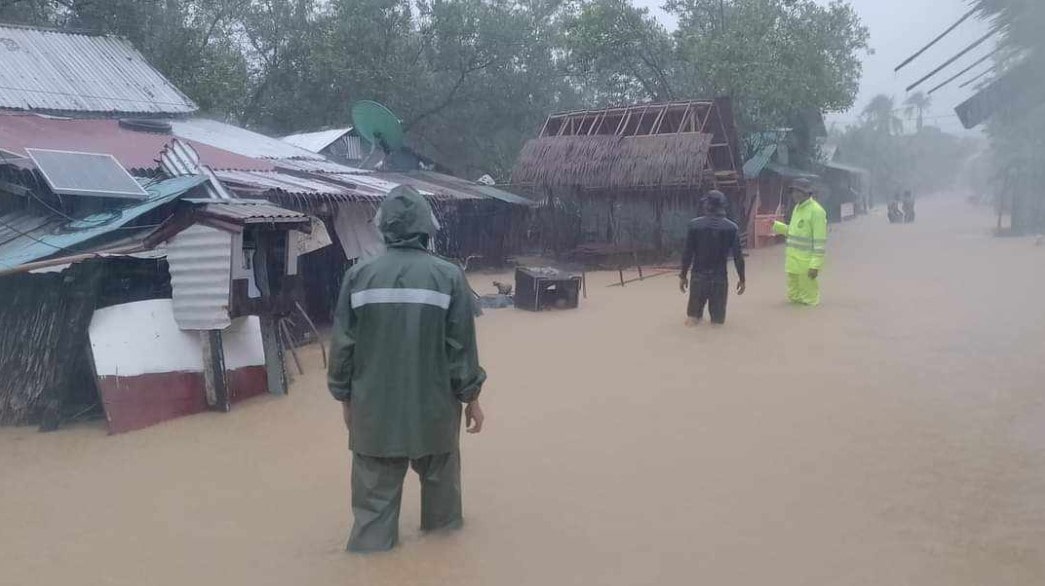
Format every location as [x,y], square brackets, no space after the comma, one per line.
[316,141]
[25,238]
[67,72]
[354,149]
[200,260]
[463,185]
[846,168]
[132,148]
[260,183]
[311,166]
[382,183]
[239,140]
[790,171]
[179,159]
[428,188]
[362,187]
[252,212]
[756,164]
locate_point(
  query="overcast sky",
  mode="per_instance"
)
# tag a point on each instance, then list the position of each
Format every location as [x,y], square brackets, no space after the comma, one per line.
[898,29]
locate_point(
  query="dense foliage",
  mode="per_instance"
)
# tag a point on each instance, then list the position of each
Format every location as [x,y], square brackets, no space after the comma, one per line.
[472,79]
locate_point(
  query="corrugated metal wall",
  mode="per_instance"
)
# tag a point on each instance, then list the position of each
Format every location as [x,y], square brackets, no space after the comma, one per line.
[200,260]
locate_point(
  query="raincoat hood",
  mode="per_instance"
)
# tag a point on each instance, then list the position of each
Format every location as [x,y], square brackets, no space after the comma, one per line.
[405,219]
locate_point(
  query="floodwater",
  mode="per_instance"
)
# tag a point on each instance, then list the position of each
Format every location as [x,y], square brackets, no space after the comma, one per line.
[894,435]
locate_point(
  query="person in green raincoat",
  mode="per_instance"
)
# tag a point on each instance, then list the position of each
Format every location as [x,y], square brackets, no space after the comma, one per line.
[403,361]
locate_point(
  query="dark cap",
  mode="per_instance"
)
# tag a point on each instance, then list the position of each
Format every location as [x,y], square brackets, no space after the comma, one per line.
[804,185]
[715,200]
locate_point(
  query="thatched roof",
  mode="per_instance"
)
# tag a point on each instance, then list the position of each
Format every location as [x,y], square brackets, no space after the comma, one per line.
[613,161]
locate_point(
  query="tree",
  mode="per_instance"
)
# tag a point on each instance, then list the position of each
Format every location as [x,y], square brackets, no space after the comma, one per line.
[619,53]
[928,161]
[1017,130]
[880,115]
[472,79]
[774,57]
[916,105]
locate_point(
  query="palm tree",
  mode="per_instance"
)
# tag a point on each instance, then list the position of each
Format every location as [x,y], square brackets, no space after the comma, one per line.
[880,114]
[917,103]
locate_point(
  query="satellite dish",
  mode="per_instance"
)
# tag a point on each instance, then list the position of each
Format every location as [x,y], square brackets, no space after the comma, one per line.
[378,125]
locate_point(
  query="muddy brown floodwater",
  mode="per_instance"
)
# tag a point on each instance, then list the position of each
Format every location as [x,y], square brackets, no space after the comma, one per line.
[895,435]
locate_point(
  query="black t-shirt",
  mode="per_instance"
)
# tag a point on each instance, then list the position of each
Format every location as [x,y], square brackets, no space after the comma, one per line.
[709,243]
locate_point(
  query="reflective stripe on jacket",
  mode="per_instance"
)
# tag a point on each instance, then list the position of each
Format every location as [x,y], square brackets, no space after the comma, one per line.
[806,237]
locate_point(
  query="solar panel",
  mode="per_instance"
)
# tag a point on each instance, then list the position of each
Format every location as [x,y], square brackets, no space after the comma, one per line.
[93,174]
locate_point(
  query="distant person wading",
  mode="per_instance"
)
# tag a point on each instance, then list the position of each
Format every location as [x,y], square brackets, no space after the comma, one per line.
[710,240]
[403,361]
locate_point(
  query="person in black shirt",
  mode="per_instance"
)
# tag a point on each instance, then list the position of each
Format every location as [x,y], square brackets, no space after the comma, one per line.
[710,240]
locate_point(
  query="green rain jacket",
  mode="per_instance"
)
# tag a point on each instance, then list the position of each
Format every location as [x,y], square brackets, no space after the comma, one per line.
[403,350]
[806,237]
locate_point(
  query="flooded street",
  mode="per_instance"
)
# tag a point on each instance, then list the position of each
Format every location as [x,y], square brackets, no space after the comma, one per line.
[894,435]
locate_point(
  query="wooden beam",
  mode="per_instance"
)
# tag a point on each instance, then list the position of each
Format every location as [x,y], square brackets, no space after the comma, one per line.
[598,118]
[682,123]
[641,118]
[544,128]
[704,121]
[623,123]
[655,129]
[215,382]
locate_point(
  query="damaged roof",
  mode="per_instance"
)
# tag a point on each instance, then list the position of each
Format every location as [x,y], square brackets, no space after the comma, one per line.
[756,164]
[348,187]
[134,149]
[25,237]
[239,140]
[246,211]
[277,184]
[55,71]
[456,184]
[317,141]
[611,161]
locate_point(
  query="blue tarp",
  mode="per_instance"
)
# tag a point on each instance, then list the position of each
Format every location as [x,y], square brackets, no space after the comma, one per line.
[26,238]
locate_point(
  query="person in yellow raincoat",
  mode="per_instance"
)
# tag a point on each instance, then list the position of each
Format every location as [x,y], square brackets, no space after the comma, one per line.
[806,244]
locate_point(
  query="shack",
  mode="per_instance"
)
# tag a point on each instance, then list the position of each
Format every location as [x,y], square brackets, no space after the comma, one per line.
[103,211]
[625,181]
[847,190]
[481,224]
[149,262]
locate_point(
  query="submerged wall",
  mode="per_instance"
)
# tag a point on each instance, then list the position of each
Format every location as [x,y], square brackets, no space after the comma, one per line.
[149,370]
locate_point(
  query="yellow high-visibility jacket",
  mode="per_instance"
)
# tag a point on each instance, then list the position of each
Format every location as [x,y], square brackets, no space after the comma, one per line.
[806,237]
